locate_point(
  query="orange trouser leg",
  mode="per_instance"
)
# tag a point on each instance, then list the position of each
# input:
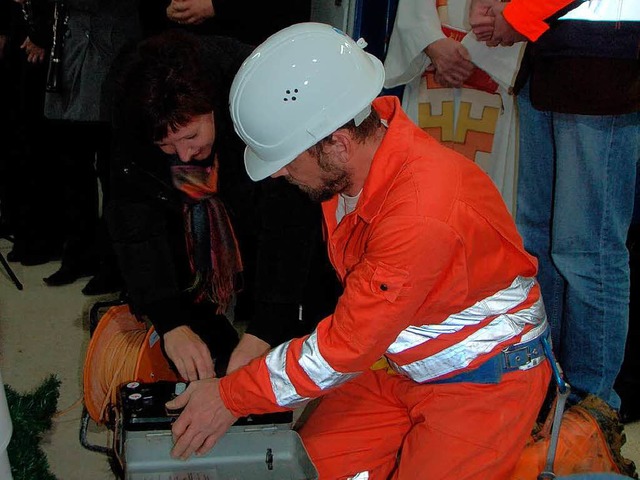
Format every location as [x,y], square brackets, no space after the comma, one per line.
[470,431]
[357,427]
[458,431]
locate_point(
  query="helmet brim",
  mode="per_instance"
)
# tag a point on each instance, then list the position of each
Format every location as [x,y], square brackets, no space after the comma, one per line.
[258,169]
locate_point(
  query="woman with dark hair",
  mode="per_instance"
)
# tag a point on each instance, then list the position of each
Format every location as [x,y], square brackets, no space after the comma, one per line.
[194,237]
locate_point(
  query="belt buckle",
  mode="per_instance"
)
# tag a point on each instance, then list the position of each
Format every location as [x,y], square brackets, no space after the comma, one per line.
[523,357]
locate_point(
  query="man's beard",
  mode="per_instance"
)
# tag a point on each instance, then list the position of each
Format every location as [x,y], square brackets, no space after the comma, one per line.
[335,180]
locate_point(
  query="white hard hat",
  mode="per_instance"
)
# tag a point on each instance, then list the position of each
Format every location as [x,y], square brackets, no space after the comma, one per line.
[299,86]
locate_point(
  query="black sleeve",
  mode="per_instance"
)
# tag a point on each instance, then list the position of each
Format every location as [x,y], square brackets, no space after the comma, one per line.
[141,240]
[41,31]
[144,216]
[252,21]
[5,16]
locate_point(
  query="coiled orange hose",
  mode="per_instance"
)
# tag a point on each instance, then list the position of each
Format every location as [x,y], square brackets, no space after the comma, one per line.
[118,364]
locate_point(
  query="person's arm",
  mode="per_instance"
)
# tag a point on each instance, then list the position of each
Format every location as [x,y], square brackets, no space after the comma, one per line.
[518,20]
[41,30]
[3,44]
[144,219]
[416,26]
[529,17]
[5,17]
[248,348]
[342,346]
[141,244]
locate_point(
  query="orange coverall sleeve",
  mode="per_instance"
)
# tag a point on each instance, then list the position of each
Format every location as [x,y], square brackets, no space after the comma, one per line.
[528,16]
[407,257]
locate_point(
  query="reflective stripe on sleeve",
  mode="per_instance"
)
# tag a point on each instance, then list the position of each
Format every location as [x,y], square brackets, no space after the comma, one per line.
[283,390]
[313,364]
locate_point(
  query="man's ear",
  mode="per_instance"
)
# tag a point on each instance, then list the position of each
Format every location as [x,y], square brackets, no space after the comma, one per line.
[342,144]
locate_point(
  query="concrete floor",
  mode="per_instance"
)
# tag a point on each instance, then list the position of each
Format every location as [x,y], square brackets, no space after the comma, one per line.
[44,330]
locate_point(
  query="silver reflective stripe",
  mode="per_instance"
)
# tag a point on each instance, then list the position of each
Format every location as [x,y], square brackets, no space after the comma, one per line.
[503,327]
[606,11]
[460,355]
[318,369]
[314,365]
[284,391]
[496,304]
[360,476]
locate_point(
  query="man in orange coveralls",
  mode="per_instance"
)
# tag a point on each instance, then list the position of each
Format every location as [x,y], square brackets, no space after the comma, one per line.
[436,283]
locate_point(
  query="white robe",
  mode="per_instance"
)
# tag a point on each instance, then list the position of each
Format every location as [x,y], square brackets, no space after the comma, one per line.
[462,118]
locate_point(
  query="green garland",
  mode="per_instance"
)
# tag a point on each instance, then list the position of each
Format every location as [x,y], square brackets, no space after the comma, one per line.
[31,415]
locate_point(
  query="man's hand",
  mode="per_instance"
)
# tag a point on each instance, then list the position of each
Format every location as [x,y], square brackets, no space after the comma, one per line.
[451,60]
[203,421]
[35,54]
[189,353]
[191,12]
[248,348]
[503,33]
[482,19]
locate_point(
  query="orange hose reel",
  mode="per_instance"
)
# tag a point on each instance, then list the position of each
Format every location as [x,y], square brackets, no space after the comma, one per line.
[122,349]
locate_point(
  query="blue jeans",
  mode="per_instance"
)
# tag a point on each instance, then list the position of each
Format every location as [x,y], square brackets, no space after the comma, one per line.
[576,181]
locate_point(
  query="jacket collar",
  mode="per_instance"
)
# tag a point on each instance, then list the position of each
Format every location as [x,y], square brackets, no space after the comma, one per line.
[389,159]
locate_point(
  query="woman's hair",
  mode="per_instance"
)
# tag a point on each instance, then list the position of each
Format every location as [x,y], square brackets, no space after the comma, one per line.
[162,81]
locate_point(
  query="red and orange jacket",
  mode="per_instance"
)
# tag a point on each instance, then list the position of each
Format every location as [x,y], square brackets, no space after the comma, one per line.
[435,277]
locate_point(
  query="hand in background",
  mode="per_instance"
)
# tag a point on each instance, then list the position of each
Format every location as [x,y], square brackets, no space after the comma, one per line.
[503,33]
[248,348]
[190,12]
[451,61]
[189,353]
[203,421]
[35,54]
[482,19]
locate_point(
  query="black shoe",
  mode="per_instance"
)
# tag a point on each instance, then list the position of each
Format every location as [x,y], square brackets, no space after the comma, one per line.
[66,275]
[630,408]
[38,258]
[14,255]
[104,282]
[29,257]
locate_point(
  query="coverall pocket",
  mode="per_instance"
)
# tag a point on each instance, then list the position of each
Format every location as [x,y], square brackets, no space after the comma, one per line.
[387,281]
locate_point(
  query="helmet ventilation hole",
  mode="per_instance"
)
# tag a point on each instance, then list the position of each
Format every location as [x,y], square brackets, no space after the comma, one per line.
[291,95]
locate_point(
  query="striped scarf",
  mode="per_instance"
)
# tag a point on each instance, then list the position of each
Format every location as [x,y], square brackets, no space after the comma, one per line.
[214,256]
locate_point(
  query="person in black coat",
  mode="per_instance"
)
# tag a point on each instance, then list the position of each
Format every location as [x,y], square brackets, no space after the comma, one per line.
[171,92]
[29,184]
[94,31]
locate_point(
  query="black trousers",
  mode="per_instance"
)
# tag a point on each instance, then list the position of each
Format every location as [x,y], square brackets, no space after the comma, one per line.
[628,381]
[83,150]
